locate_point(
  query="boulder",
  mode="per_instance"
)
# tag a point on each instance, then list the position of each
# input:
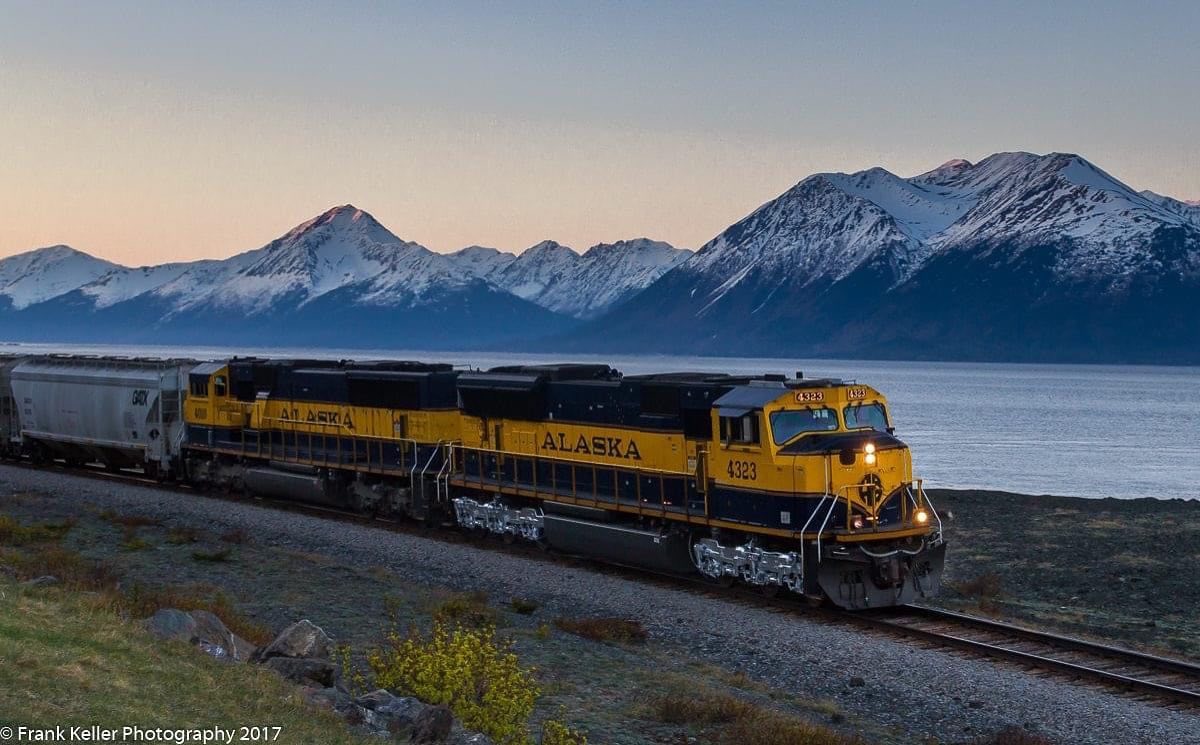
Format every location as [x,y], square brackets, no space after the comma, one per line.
[332,698]
[302,640]
[320,672]
[170,623]
[213,632]
[433,725]
[396,714]
[203,629]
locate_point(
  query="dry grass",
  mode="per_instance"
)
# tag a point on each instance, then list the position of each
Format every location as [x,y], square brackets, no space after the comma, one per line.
[67,660]
[524,606]
[131,541]
[130,521]
[604,629]
[13,533]
[237,536]
[464,609]
[142,601]
[72,569]
[78,572]
[213,557]
[740,721]
[1014,736]
[701,709]
[183,535]
[985,589]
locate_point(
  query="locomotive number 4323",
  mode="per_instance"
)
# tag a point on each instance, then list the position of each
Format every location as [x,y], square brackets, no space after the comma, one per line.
[742,469]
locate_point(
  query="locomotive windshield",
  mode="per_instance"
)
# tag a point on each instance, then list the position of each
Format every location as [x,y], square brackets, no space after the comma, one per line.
[866,416]
[786,425]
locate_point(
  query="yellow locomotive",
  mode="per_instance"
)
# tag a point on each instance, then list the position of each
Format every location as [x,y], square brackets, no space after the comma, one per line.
[772,481]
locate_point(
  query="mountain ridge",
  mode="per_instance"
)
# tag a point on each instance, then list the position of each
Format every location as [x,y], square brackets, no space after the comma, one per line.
[1048,256]
[1017,257]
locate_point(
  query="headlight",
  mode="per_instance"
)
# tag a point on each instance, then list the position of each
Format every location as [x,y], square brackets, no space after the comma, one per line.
[869,458]
[870,448]
[857,522]
[921,517]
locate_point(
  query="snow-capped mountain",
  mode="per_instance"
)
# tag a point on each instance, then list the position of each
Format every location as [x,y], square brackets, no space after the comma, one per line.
[340,278]
[556,277]
[481,261]
[34,276]
[1019,255]
[341,267]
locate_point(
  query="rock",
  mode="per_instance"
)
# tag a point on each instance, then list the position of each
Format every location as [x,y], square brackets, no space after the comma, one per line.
[974,704]
[203,629]
[303,640]
[322,672]
[397,714]
[857,682]
[212,631]
[44,581]
[375,699]
[432,726]
[332,698]
[472,738]
[169,623]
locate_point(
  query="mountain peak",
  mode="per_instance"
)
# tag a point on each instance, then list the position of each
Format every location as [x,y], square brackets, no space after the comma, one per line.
[45,273]
[548,247]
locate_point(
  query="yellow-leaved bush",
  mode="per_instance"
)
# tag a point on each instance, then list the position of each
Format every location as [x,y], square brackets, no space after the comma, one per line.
[467,669]
[554,732]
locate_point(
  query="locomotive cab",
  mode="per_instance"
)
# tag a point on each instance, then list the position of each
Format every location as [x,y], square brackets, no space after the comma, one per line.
[815,467]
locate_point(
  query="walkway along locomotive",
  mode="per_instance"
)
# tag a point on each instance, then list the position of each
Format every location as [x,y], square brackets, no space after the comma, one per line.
[784,483]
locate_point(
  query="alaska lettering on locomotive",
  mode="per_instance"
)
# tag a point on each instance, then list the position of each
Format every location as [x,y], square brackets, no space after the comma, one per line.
[612,447]
[317,416]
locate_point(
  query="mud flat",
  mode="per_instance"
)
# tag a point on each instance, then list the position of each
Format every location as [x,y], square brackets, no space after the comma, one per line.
[1122,570]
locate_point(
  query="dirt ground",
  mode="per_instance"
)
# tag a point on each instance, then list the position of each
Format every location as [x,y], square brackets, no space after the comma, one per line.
[1113,569]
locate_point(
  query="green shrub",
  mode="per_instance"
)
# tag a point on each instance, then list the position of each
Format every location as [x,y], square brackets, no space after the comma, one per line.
[467,669]
[555,732]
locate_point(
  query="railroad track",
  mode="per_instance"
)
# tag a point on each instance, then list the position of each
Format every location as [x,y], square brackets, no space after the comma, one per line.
[1163,680]
[1146,676]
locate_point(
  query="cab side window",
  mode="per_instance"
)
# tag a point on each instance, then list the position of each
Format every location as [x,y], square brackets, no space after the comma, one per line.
[740,430]
[220,386]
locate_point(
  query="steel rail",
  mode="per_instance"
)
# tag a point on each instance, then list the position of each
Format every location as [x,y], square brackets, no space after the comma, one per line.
[1043,659]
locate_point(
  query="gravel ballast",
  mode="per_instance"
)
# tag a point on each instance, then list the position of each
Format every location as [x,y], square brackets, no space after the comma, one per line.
[915,692]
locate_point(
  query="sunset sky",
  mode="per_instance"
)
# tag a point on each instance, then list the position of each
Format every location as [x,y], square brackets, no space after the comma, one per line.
[152,132]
